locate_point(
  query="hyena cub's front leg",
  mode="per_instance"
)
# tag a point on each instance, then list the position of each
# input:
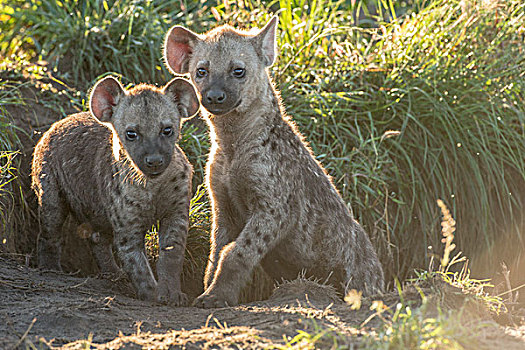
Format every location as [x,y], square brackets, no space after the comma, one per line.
[218,240]
[224,227]
[238,259]
[223,232]
[172,244]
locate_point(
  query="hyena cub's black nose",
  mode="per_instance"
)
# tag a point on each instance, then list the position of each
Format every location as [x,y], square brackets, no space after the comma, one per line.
[215,96]
[154,161]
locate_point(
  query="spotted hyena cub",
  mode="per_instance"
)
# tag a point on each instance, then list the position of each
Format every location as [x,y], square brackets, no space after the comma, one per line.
[273,203]
[119,170]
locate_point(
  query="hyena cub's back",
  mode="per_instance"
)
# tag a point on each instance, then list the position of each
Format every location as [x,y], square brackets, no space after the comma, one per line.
[119,177]
[272,201]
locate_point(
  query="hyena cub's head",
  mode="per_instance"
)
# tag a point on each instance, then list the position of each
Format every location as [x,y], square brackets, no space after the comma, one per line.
[228,66]
[145,118]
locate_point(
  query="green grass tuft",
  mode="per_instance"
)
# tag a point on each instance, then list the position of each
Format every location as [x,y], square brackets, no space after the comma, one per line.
[85,39]
[427,106]
[9,163]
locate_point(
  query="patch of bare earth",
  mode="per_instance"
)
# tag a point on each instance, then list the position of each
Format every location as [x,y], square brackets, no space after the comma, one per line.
[54,310]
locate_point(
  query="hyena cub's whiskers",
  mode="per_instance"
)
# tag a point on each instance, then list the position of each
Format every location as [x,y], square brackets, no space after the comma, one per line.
[118,170]
[273,203]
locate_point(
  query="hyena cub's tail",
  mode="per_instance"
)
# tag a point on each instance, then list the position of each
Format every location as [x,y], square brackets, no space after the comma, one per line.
[364,271]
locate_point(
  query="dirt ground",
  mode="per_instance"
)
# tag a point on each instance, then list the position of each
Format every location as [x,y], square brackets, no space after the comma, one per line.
[45,309]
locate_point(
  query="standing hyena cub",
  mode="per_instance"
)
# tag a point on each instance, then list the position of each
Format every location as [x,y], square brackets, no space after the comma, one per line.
[273,203]
[120,170]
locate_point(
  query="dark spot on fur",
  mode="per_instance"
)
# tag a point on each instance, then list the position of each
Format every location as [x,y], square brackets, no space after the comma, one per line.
[129,203]
[259,250]
[267,238]
[240,255]
[175,188]
[305,227]
[123,241]
[248,242]
[117,220]
[272,211]
[117,190]
[273,145]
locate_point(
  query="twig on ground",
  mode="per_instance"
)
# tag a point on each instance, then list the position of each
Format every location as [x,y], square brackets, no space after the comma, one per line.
[25,334]
[77,285]
[15,286]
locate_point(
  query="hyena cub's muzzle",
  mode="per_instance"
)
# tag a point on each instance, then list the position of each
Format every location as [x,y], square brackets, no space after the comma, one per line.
[219,100]
[155,164]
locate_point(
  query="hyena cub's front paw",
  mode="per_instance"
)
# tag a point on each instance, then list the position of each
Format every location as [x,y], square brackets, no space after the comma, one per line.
[49,263]
[170,295]
[211,300]
[147,292]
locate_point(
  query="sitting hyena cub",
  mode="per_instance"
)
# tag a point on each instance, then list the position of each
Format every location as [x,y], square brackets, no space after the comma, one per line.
[273,203]
[118,169]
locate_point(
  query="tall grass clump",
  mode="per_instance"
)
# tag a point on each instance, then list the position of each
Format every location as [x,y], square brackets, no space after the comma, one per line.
[447,321]
[84,39]
[9,163]
[430,105]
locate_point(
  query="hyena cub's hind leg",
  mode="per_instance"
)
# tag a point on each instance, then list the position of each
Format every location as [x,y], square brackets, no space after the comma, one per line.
[102,247]
[53,212]
[129,242]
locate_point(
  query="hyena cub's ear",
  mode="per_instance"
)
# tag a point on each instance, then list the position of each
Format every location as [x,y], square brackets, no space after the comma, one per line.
[104,97]
[265,42]
[178,48]
[183,93]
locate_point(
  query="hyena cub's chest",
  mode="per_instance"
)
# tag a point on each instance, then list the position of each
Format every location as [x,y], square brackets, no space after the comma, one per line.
[230,180]
[145,202]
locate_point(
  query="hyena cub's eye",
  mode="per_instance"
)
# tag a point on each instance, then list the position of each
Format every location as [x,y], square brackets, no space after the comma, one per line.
[167,131]
[201,72]
[131,135]
[239,72]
